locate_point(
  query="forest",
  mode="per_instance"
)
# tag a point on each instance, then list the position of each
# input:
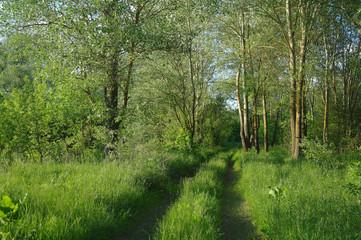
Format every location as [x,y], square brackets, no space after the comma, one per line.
[180,119]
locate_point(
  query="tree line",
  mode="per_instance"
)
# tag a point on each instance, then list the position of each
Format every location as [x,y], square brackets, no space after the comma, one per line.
[108,76]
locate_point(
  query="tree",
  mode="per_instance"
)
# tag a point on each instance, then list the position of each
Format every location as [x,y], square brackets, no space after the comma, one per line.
[181,77]
[99,40]
[235,29]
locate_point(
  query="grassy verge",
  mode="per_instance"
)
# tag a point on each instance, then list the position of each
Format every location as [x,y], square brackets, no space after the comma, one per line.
[88,201]
[298,199]
[196,213]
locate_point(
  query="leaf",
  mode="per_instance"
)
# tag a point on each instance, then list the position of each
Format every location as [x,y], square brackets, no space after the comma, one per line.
[7,206]
[4,234]
[7,202]
[2,214]
[16,208]
[272,193]
[2,221]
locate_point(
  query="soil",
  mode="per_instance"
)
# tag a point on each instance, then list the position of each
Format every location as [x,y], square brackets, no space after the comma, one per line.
[237,223]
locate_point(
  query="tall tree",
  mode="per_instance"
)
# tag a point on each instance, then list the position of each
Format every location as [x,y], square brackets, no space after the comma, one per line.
[100,40]
[235,26]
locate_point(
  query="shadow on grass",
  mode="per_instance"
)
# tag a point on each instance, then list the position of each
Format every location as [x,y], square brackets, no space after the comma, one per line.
[236,219]
[144,226]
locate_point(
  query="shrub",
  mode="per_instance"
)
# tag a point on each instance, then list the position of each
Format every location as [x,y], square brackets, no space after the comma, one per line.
[354,179]
[318,152]
[8,213]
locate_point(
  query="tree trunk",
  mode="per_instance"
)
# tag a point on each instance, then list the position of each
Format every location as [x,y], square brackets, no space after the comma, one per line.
[255,125]
[191,78]
[127,83]
[349,105]
[275,128]
[292,72]
[300,90]
[130,61]
[240,111]
[194,97]
[265,123]
[304,114]
[244,87]
[111,97]
[325,95]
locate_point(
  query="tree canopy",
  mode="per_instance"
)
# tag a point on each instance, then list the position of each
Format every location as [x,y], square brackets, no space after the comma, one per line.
[110,76]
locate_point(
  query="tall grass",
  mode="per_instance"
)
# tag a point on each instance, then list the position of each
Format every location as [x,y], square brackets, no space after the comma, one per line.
[298,199]
[88,200]
[196,214]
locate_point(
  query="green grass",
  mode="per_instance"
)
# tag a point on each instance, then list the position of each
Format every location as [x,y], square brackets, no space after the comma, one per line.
[312,202]
[196,213]
[88,200]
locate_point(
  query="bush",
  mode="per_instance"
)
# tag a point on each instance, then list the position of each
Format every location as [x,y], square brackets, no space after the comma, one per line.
[319,153]
[181,141]
[354,179]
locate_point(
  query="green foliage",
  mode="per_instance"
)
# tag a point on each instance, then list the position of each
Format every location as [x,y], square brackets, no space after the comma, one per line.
[7,209]
[196,213]
[276,192]
[14,67]
[354,179]
[221,125]
[180,140]
[8,213]
[32,124]
[277,155]
[184,141]
[318,152]
[88,199]
[304,201]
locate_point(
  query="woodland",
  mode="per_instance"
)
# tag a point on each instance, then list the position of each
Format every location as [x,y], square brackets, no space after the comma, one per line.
[180,119]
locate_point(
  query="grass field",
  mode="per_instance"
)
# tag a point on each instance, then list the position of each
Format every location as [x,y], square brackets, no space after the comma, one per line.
[88,200]
[298,199]
[196,213]
[288,199]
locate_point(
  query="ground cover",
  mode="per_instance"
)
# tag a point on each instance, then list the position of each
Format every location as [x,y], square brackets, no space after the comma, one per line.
[299,199]
[196,214]
[88,200]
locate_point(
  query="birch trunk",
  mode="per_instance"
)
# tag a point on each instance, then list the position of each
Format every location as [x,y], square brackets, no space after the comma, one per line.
[292,73]
[240,110]
[244,86]
[300,90]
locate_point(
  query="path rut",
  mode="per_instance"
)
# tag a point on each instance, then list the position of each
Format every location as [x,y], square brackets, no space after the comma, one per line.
[237,224]
[145,225]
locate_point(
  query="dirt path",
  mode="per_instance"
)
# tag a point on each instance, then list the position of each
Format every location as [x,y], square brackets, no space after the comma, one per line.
[236,220]
[144,227]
